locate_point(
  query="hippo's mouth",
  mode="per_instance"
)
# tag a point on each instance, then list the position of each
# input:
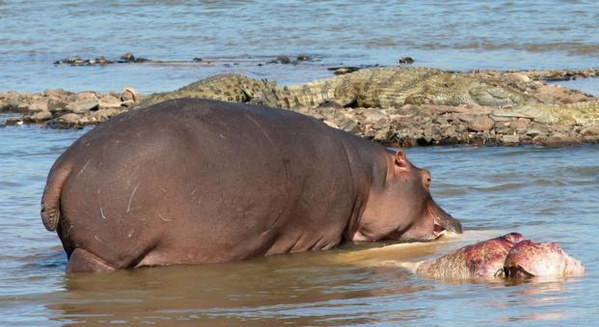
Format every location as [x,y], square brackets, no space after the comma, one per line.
[441,226]
[438,230]
[444,224]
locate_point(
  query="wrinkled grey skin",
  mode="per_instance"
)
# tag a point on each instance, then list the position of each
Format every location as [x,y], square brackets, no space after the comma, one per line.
[508,256]
[193,181]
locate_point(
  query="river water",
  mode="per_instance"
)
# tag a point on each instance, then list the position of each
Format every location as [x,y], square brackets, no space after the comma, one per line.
[548,194]
[236,36]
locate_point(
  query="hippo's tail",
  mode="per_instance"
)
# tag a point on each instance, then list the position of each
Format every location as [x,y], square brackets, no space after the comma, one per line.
[51,198]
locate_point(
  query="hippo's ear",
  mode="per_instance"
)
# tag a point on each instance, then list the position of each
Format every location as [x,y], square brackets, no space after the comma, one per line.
[401,163]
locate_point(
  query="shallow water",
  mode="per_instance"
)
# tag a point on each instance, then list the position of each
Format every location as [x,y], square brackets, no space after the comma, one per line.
[548,194]
[454,34]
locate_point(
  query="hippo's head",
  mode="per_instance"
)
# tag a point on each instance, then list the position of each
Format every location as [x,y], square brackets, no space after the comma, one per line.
[400,206]
[529,259]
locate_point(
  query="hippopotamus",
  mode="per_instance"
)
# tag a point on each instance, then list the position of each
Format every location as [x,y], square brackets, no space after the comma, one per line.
[530,259]
[508,256]
[193,181]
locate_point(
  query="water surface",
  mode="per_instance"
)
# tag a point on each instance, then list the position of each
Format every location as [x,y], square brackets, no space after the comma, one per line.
[454,34]
[546,194]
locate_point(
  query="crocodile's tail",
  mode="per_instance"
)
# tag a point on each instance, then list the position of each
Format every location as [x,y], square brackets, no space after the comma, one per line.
[50,211]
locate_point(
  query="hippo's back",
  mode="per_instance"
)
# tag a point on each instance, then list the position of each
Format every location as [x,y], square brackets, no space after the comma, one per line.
[193,181]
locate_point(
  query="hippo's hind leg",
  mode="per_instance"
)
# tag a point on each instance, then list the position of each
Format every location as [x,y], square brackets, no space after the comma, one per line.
[82,261]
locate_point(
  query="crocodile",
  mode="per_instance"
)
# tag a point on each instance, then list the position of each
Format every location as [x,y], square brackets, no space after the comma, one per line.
[394,87]
[389,87]
[374,87]
[223,87]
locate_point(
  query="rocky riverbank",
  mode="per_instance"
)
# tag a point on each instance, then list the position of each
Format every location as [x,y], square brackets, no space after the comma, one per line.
[407,125]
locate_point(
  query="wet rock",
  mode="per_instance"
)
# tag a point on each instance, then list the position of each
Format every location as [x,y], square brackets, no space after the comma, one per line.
[101,61]
[82,107]
[480,123]
[109,101]
[408,125]
[590,130]
[344,70]
[104,114]
[534,132]
[57,104]
[557,94]
[519,125]
[129,57]
[39,105]
[449,140]
[56,93]
[375,117]
[341,121]
[41,116]
[283,59]
[510,139]
[406,60]
[303,57]
[558,140]
[71,119]
[12,121]
[518,78]
[590,138]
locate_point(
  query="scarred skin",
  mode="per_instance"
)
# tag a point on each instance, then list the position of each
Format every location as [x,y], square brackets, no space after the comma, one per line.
[508,256]
[529,259]
[482,259]
[193,181]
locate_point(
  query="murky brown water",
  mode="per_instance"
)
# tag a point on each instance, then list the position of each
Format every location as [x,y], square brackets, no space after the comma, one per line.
[546,194]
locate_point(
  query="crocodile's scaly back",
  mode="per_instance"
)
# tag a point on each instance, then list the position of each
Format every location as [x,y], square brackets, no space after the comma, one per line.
[376,87]
[224,87]
[394,87]
[312,94]
[384,87]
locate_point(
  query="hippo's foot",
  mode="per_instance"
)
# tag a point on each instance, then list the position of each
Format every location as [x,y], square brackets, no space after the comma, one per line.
[84,261]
